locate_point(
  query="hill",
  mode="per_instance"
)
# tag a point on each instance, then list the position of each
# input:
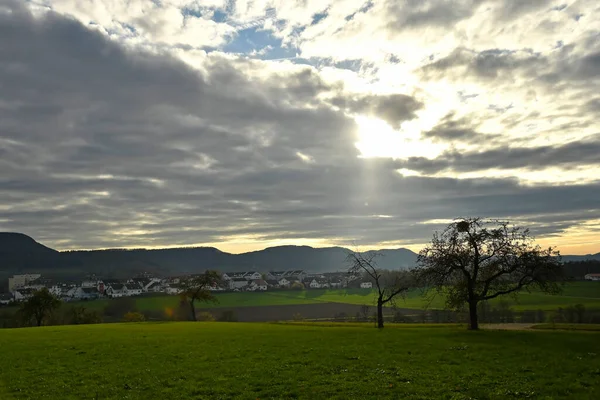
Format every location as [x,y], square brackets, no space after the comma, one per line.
[581,258]
[20,253]
[12,242]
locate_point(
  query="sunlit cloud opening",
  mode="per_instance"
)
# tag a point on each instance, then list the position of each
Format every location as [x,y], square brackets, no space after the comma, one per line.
[376,138]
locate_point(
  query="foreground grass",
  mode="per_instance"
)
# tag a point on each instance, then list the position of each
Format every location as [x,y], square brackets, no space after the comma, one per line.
[275,361]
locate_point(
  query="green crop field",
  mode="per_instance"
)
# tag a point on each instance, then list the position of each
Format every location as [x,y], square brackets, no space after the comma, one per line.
[282,361]
[586,293]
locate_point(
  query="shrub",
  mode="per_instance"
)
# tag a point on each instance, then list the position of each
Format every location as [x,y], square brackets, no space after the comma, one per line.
[134,317]
[80,315]
[119,306]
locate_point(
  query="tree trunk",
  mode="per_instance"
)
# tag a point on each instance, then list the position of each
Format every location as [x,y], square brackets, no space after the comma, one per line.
[39,320]
[473,321]
[380,313]
[193,309]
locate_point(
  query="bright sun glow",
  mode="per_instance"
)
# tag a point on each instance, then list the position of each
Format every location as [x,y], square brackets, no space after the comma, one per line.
[376,138]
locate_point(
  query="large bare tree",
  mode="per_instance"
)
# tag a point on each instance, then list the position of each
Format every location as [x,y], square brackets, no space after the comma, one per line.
[197,288]
[475,260]
[388,284]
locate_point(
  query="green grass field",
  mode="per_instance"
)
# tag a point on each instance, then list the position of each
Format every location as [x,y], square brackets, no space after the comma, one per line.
[282,361]
[586,293]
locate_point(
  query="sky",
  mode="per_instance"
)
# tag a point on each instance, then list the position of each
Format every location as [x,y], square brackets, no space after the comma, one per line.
[244,124]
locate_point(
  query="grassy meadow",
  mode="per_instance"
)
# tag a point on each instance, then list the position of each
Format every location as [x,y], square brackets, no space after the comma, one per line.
[586,293]
[277,361]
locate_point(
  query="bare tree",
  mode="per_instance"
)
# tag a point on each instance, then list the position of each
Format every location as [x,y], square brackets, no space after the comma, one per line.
[198,288]
[388,284]
[475,260]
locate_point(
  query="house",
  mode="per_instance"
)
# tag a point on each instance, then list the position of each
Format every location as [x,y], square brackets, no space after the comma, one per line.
[252,276]
[138,283]
[89,284]
[83,293]
[56,290]
[314,284]
[23,294]
[154,287]
[19,281]
[258,284]
[233,275]
[592,277]
[274,283]
[6,298]
[116,290]
[238,283]
[284,282]
[296,275]
[335,283]
[275,275]
[318,283]
[173,289]
[366,285]
[133,290]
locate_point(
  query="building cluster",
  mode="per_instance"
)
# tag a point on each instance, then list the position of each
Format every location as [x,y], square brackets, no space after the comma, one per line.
[22,287]
[295,279]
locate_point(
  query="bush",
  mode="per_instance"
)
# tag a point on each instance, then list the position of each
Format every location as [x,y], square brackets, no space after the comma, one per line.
[134,317]
[119,306]
[79,315]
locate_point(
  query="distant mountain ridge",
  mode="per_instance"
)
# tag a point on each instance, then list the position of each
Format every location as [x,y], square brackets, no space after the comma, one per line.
[20,253]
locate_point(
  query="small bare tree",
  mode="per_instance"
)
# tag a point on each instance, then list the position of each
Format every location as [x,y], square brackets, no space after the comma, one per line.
[388,284]
[474,260]
[198,288]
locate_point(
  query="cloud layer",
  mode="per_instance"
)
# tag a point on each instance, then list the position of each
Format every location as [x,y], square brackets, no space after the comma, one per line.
[137,124]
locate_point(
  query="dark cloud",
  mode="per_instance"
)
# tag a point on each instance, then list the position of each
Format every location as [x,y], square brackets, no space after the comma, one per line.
[493,64]
[411,14]
[393,108]
[570,155]
[451,129]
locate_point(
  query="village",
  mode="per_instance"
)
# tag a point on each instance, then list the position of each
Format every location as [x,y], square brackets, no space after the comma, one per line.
[22,287]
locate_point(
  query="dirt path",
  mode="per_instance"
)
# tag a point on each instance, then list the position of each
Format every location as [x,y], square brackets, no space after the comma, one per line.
[507,327]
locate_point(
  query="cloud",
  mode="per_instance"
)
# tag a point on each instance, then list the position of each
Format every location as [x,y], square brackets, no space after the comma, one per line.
[394,108]
[135,136]
[570,155]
